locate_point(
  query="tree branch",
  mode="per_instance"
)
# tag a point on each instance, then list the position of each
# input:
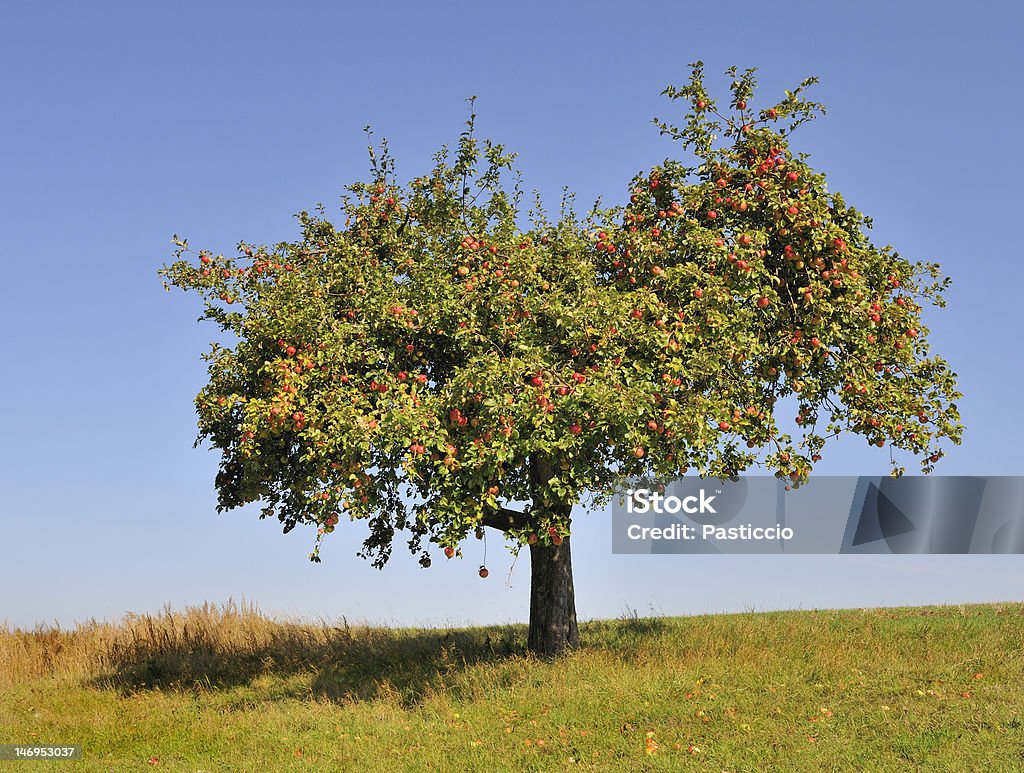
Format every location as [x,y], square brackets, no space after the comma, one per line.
[504,519]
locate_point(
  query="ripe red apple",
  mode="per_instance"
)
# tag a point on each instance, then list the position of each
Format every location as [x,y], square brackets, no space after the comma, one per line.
[537,381]
[532,539]
[701,104]
[557,539]
[762,302]
[772,112]
[712,214]
[575,429]
[483,572]
[742,104]
[449,552]
[698,293]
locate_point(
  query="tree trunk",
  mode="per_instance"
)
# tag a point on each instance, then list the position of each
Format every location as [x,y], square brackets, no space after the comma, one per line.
[552,600]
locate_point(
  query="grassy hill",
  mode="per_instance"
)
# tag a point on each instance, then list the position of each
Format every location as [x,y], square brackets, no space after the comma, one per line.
[227,689]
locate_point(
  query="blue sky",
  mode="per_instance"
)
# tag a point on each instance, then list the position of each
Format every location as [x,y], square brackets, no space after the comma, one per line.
[126,123]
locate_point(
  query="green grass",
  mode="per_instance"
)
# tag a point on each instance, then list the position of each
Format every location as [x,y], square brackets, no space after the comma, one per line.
[225,689]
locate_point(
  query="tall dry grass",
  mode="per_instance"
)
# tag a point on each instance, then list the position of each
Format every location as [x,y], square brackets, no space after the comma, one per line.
[234,643]
[212,640]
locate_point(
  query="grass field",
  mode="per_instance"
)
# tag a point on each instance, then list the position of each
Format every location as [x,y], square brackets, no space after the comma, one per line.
[226,689]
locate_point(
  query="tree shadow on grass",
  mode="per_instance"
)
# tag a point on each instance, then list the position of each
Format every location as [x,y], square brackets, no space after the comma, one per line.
[282,660]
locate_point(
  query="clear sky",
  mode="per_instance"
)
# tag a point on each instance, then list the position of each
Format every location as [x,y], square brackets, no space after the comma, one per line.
[123,123]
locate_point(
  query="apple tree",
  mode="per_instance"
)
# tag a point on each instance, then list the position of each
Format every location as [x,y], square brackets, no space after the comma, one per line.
[433,366]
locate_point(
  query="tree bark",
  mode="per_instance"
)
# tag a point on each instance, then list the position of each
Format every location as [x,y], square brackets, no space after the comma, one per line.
[553,627]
